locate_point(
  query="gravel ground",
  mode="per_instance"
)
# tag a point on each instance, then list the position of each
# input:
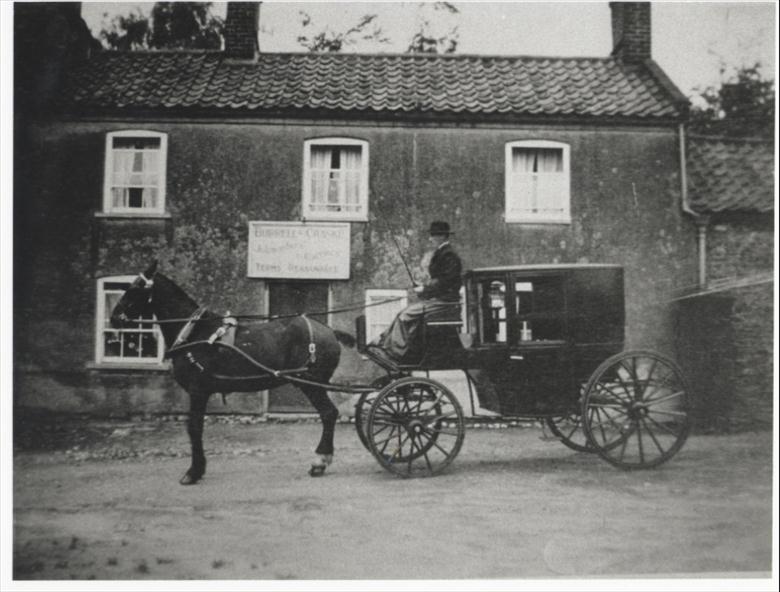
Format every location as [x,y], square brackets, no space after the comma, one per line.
[101,500]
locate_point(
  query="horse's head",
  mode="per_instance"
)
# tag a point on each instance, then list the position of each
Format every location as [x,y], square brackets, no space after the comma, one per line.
[136,302]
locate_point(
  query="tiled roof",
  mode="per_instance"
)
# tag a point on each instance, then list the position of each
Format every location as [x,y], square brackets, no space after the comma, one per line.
[374,84]
[730,175]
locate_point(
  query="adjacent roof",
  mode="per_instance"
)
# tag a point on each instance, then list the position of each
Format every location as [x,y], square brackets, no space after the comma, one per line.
[384,84]
[730,175]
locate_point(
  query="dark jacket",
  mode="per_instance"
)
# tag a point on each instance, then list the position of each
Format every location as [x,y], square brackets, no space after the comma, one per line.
[445,271]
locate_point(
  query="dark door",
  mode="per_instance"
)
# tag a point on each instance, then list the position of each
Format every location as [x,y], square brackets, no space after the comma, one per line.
[295,298]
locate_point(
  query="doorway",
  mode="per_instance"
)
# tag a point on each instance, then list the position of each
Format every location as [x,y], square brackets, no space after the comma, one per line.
[287,298]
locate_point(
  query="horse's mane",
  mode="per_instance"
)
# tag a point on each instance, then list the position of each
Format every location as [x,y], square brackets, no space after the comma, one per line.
[173,288]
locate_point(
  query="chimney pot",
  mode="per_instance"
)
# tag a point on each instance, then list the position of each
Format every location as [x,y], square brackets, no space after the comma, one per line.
[631,31]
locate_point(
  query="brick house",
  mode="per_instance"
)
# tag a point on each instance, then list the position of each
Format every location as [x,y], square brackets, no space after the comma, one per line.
[729,322]
[175,154]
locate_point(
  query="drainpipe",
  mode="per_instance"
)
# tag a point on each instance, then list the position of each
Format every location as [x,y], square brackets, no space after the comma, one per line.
[700,220]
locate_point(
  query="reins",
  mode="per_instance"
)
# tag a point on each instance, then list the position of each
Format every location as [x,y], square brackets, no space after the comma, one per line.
[285,374]
[259,317]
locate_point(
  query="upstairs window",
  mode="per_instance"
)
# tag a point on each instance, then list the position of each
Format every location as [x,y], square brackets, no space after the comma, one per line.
[335,179]
[135,172]
[140,344]
[537,182]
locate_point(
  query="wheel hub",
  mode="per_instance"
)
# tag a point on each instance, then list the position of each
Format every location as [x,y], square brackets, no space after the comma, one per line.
[637,411]
[415,427]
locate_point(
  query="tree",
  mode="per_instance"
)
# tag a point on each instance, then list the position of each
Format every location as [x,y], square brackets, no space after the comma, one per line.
[743,104]
[170,25]
[332,41]
[426,40]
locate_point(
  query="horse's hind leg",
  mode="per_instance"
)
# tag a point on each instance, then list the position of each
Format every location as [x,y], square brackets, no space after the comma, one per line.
[328,415]
[197,468]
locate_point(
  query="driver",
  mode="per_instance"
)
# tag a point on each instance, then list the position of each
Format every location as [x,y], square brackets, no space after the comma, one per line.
[441,293]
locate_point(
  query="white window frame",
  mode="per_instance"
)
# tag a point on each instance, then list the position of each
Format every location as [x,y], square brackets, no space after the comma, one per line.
[374,295]
[514,215]
[100,328]
[307,212]
[108,207]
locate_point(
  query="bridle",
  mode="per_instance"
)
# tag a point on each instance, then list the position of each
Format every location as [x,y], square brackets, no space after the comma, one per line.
[147,286]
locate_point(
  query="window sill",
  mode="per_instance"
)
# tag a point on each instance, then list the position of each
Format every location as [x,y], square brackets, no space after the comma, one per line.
[545,221]
[128,367]
[335,218]
[134,216]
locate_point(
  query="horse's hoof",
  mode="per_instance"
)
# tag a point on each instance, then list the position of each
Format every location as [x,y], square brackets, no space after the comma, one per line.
[188,480]
[320,464]
[317,470]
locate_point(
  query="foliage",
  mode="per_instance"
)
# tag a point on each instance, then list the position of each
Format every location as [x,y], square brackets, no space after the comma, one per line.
[170,25]
[332,41]
[428,37]
[426,40]
[743,104]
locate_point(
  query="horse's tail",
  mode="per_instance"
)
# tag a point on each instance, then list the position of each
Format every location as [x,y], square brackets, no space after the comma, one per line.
[345,338]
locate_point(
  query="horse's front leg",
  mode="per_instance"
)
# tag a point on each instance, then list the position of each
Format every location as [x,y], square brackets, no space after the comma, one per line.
[198,401]
[328,415]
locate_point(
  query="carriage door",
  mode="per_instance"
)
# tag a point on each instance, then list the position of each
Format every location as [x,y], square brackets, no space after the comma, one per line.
[295,298]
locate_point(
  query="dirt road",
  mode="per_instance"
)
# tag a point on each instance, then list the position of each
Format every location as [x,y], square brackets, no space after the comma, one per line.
[513,505]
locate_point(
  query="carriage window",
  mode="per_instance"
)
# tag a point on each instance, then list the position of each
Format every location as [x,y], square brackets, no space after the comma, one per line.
[139,345]
[381,308]
[491,295]
[335,179]
[134,177]
[539,312]
[537,182]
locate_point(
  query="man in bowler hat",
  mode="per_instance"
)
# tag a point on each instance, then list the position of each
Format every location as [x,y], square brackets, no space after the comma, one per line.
[440,295]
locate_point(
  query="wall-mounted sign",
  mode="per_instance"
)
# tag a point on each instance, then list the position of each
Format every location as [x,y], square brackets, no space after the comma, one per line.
[298,250]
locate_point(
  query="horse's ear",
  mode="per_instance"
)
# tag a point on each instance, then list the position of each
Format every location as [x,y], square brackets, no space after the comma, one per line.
[151,270]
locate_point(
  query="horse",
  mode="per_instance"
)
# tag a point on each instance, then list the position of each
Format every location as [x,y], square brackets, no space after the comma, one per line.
[294,349]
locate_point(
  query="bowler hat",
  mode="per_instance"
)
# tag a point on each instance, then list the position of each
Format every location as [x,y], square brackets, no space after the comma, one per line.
[440,228]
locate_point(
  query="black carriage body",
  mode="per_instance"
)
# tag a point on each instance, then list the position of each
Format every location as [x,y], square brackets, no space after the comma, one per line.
[537,333]
[539,342]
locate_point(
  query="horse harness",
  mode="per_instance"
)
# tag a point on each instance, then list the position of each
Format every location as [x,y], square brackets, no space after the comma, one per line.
[225,336]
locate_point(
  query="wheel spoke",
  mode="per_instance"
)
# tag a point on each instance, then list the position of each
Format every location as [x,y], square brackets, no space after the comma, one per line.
[650,402]
[387,420]
[386,440]
[614,406]
[672,413]
[652,436]
[663,426]
[639,442]
[400,446]
[623,449]
[604,387]
[424,450]
[648,379]
[598,413]
[573,430]
[443,431]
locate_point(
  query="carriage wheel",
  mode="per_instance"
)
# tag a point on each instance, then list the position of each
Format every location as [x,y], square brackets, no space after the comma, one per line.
[568,429]
[364,405]
[415,427]
[636,410]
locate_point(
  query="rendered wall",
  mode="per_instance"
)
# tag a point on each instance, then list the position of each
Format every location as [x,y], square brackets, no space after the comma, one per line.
[625,205]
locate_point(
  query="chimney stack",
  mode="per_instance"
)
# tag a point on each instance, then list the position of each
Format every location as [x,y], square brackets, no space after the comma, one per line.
[241,28]
[631,31]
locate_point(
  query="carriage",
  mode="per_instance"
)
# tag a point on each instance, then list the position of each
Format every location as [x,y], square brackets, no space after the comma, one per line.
[539,342]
